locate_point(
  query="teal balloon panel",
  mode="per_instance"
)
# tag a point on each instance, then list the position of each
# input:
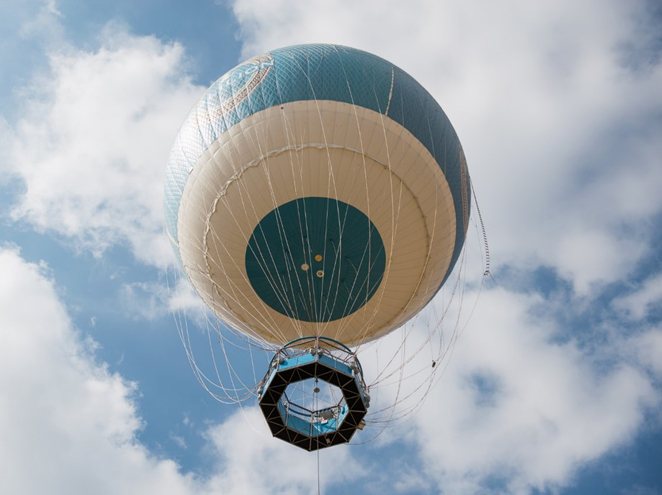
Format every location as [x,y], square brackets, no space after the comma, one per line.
[315,259]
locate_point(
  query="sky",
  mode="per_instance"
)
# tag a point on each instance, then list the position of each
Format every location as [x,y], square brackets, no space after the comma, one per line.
[553,387]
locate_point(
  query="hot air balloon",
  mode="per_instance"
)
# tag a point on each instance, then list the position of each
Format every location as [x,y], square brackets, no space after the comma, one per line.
[317,198]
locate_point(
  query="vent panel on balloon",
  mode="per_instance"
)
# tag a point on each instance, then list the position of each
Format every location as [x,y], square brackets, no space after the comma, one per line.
[313,395]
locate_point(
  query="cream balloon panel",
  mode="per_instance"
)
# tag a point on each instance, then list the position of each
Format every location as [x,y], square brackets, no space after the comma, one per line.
[317,149]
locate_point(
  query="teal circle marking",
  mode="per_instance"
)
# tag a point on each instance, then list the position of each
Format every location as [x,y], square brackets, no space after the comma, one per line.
[315,259]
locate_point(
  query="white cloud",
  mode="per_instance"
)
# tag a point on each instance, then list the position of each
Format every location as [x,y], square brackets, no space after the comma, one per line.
[144,300]
[648,348]
[519,407]
[44,24]
[557,105]
[67,424]
[641,301]
[93,141]
[588,255]
[182,297]
[151,300]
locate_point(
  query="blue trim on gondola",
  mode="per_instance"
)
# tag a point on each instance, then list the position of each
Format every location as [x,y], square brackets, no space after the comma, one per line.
[311,428]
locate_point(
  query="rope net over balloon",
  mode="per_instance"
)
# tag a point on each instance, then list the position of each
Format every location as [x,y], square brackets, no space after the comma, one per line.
[317,192]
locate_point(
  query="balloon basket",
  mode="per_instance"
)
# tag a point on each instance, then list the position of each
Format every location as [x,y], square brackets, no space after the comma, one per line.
[314,395]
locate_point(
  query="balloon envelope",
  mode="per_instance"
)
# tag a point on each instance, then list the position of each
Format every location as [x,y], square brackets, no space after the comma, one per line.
[317,190]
